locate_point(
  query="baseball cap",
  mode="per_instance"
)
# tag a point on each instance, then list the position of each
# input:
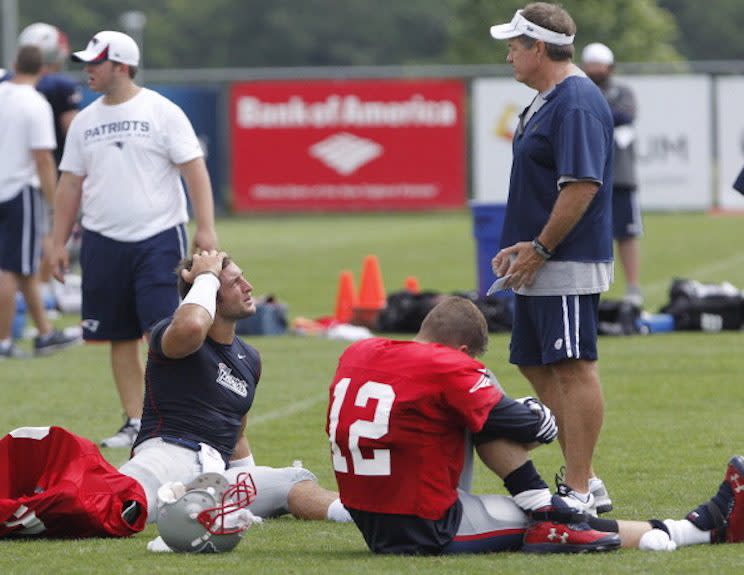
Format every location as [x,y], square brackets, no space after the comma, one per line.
[109,45]
[49,39]
[520,26]
[597,53]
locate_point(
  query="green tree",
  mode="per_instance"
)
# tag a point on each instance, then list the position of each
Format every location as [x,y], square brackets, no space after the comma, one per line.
[708,30]
[636,30]
[237,33]
[270,33]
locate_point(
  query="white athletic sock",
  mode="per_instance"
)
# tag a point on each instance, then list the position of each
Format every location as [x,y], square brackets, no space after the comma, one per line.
[684,532]
[338,513]
[533,499]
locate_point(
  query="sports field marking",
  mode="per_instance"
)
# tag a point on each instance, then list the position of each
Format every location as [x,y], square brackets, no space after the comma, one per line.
[698,273]
[289,409]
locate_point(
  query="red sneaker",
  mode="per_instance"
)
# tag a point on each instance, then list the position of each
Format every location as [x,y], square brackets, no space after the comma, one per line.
[735,480]
[723,515]
[561,529]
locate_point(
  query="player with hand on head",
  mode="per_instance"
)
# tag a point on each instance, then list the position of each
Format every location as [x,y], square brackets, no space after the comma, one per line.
[122,167]
[398,420]
[201,382]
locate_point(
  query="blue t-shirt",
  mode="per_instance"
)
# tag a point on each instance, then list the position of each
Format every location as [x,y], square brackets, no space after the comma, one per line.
[64,95]
[569,136]
[202,397]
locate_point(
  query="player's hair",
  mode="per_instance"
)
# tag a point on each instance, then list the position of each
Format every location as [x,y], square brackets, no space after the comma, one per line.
[28,60]
[186,264]
[456,321]
[132,72]
[553,17]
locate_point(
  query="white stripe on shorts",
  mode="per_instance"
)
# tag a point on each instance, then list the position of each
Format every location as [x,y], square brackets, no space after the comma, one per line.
[576,327]
[182,240]
[566,328]
[26,268]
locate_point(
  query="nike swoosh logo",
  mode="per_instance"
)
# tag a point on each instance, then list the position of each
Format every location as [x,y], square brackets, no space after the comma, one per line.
[241,356]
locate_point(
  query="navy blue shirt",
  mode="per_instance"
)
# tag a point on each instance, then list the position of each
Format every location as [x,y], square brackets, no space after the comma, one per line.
[571,135]
[200,398]
[64,95]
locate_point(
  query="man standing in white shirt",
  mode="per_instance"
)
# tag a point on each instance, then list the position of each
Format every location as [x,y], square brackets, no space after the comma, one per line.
[27,144]
[123,159]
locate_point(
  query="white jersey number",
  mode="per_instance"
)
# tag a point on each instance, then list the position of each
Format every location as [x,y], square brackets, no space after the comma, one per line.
[379,463]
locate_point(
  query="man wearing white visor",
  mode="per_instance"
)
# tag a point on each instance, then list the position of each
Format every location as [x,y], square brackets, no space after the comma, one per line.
[122,166]
[556,245]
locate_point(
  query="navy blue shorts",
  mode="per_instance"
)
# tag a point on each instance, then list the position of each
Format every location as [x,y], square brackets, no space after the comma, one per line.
[129,286]
[626,214]
[21,230]
[549,329]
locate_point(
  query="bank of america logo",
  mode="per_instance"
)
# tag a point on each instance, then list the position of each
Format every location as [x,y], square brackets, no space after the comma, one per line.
[345,153]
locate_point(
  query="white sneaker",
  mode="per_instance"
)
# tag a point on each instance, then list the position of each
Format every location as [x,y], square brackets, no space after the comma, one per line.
[582,502]
[601,497]
[157,545]
[125,436]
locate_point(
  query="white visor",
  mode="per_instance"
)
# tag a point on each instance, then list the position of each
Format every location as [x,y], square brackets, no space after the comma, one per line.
[520,26]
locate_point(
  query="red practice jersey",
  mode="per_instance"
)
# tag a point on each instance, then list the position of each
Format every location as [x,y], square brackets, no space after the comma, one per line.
[54,483]
[397,417]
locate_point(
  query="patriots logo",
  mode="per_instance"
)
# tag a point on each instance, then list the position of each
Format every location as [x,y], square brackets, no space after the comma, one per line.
[90,324]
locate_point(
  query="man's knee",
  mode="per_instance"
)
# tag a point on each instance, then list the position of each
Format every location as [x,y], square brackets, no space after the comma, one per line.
[274,487]
[308,500]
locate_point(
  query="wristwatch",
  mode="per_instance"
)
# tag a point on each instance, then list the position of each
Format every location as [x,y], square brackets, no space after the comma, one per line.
[541,250]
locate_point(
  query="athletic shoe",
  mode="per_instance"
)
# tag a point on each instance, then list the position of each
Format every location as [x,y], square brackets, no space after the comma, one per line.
[54,341]
[561,529]
[601,497]
[723,515]
[583,503]
[12,351]
[634,297]
[125,436]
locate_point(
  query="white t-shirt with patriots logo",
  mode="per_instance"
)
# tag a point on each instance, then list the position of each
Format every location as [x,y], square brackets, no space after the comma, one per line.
[129,155]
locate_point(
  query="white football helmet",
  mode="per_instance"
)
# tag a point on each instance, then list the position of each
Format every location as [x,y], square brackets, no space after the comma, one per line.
[208,515]
[49,39]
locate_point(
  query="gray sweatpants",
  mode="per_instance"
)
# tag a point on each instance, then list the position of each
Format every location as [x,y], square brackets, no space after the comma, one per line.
[156,462]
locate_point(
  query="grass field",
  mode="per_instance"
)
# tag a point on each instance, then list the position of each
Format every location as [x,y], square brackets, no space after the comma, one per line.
[673,414]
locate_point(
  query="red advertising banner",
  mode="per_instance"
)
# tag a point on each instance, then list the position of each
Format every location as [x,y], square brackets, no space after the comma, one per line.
[348,145]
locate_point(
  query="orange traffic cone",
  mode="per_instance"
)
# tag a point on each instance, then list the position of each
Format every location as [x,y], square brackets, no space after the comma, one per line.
[372,290]
[412,285]
[372,297]
[346,299]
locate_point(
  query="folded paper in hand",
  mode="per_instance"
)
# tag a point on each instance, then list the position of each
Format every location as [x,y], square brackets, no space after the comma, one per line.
[498,285]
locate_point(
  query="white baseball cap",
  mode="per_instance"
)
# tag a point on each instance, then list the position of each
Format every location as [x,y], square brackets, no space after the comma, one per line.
[597,53]
[50,40]
[520,26]
[109,45]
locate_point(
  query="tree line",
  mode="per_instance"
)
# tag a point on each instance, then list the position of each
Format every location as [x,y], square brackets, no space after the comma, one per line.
[268,33]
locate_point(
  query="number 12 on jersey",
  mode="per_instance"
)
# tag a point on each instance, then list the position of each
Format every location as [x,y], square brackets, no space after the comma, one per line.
[379,463]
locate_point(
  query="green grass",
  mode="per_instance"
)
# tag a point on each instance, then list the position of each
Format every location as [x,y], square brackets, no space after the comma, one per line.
[673,414]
